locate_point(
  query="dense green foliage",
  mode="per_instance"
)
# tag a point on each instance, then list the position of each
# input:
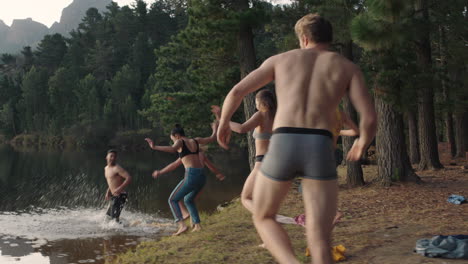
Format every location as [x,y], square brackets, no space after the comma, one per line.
[97,75]
[152,66]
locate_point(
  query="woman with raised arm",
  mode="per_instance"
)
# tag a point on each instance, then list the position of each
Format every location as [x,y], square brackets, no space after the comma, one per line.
[261,123]
[194,179]
[174,165]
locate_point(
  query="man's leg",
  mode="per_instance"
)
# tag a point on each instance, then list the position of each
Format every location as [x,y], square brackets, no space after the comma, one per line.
[110,208]
[113,210]
[267,197]
[320,202]
[118,206]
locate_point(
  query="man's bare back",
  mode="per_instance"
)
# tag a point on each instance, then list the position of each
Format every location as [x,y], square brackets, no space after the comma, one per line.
[309,86]
[309,83]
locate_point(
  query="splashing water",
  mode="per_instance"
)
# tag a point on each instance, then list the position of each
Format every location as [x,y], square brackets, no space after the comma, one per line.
[78,235]
[54,224]
[52,204]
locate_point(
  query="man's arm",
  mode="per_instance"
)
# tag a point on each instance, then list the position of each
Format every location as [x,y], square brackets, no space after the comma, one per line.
[174,165]
[248,125]
[127,180]
[108,194]
[353,128]
[361,100]
[170,149]
[252,82]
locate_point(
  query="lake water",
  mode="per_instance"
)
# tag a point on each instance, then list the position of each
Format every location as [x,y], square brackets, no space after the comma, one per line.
[52,207]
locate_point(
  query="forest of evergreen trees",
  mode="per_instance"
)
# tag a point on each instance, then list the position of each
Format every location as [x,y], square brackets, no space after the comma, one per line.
[146,67]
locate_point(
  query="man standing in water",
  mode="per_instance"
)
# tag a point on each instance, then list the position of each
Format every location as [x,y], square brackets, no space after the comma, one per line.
[117,179]
[310,83]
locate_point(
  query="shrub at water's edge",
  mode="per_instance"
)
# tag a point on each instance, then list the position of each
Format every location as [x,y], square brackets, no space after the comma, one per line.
[82,138]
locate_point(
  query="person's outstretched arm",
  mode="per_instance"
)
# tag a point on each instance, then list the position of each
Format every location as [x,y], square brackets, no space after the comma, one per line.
[171,149]
[174,165]
[216,110]
[207,140]
[353,128]
[252,82]
[212,167]
[248,125]
[361,100]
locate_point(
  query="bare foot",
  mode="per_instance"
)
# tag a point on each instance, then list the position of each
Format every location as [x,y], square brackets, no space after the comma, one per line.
[262,245]
[196,228]
[181,230]
[184,217]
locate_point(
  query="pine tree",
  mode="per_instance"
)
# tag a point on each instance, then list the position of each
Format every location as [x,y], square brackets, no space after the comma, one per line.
[379,30]
[34,103]
[50,52]
[62,98]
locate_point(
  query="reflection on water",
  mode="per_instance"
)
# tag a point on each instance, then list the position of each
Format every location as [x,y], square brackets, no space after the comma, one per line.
[52,207]
[95,250]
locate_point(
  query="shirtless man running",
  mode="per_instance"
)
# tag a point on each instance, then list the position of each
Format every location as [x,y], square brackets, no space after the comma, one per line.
[310,83]
[117,179]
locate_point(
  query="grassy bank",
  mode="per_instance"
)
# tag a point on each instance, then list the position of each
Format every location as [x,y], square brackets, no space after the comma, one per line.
[380,225]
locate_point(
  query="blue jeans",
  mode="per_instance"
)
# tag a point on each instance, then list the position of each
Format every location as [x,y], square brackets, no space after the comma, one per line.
[187,189]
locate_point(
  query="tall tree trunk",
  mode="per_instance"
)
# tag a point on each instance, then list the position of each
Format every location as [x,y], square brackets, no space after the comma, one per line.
[446,93]
[465,130]
[450,133]
[247,61]
[413,137]
[392,157]
[429,155]
[354,175]
[426,119]
[460,134]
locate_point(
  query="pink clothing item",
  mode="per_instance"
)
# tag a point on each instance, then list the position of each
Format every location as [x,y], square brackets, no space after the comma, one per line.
[300,220]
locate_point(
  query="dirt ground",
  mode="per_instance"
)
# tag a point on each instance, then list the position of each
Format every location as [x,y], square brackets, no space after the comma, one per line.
[379,225]
[382,225]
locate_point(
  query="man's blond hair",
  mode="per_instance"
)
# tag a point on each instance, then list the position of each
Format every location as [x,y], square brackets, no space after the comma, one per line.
[316,28]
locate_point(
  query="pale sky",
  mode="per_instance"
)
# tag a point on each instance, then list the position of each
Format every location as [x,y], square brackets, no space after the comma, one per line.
[44,11]
[49,11]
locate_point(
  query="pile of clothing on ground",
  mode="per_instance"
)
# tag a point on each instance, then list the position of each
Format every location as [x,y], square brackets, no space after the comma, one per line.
[453,247]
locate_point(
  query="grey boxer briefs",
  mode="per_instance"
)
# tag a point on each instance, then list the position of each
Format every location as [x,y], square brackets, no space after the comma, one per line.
[300,152]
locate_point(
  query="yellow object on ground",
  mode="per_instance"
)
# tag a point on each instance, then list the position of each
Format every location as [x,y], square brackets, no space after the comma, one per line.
[337,253]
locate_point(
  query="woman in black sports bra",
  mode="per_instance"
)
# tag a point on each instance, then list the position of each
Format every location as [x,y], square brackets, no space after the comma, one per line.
[194,180]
